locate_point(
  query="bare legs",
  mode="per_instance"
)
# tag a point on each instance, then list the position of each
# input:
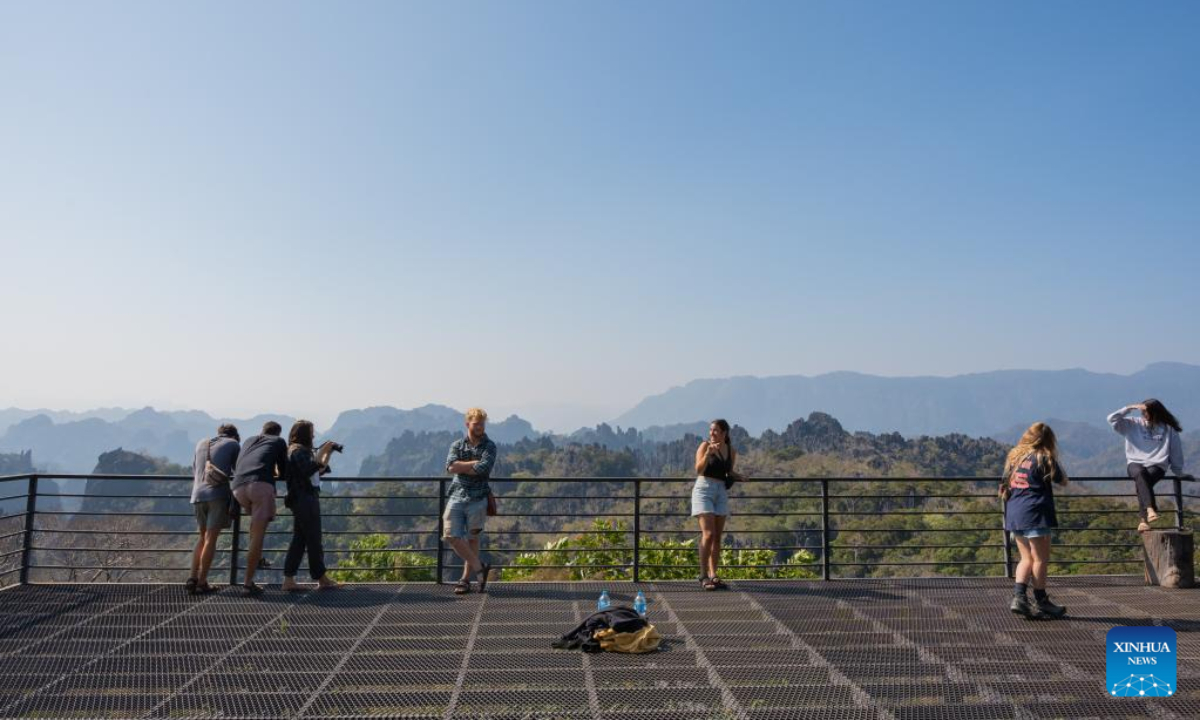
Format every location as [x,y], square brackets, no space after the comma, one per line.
[711,528]
[258,529]
[202,556]
[468,550]
[1035,559]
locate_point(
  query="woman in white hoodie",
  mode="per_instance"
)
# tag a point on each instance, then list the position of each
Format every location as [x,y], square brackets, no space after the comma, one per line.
[1152,446]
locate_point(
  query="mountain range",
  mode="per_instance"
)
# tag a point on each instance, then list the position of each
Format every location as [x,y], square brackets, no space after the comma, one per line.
[977,404]
[996,404]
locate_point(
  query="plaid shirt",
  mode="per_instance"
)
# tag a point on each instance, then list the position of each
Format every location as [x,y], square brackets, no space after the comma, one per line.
[472,487]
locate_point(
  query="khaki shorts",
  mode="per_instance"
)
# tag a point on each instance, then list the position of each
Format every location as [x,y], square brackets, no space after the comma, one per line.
[257,499]
[212,514]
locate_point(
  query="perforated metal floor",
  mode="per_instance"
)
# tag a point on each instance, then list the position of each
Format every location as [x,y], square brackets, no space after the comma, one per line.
[905,649]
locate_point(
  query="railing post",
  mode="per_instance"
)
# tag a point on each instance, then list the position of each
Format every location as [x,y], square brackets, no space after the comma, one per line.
[824,529]
[441,530]
[27,540]
[1178,504]
[637,530]
[1008,568]
[234,542]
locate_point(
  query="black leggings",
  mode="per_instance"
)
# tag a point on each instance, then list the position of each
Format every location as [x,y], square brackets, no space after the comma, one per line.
[1144,479]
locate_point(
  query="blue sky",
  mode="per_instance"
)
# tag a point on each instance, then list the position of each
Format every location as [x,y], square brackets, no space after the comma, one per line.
[559,208]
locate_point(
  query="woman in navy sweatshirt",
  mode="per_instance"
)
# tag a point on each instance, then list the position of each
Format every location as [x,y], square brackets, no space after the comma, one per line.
[1030,473]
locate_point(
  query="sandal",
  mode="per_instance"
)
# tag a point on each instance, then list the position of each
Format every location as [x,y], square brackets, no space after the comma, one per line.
[251,590]
[190,585]
[483,576]
[204,589]
[719,583]
[1143,527]
[1151,515]
[463,587]
[708,584]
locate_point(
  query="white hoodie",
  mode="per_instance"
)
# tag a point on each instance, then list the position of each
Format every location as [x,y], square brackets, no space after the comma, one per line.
[1145,445]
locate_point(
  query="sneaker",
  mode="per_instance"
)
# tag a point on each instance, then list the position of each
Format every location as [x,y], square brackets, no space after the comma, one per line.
[1046,607]
[1020,605]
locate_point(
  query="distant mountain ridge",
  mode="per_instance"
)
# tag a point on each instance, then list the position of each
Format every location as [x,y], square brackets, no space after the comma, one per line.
[367,432]
[976,404]
[73,445]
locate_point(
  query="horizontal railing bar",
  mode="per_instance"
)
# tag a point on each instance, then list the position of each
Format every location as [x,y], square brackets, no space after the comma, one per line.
[69,531]
[838,548]
[122,550]
[12,534]
[1057,546]
[10,553]
[115,513]
[549,479]
[113,568]
[24,496]
[14,515]
[740,514]
[14,478]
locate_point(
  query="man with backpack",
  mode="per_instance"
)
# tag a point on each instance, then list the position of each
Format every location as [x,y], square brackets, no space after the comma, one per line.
[212,468]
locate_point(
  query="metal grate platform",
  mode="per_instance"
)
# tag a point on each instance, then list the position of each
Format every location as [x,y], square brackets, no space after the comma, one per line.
[902,649]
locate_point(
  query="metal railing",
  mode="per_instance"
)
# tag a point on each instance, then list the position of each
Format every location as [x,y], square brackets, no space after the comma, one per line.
[812,527]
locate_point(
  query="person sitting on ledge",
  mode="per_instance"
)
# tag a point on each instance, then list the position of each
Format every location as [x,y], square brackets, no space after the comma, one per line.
[1030,472]
[1151,446]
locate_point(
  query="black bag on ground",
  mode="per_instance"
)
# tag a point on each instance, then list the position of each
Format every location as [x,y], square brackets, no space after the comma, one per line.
[620,618]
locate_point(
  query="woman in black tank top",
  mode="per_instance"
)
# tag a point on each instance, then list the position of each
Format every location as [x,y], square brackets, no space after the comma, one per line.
[710,500]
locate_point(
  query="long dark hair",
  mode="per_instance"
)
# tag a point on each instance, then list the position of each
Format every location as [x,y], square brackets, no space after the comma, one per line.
[301,434]
[1158,414]
[724,425]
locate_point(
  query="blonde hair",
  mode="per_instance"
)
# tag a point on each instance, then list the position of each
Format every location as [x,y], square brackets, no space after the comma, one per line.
[1040,442]
[476,414]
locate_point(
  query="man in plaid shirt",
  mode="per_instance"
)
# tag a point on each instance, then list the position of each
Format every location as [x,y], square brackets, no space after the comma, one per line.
[470,461]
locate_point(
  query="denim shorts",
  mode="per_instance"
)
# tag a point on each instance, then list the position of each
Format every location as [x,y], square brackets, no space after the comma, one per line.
[709,496]
[462,516]
[1032,533]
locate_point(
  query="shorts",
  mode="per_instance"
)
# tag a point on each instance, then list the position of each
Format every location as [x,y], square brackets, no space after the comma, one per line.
[212,514]
[258,499]
[461,516]
[1032,533]
[709,497]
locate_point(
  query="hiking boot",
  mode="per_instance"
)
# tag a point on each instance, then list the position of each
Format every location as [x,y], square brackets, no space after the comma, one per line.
[1046,607]
[1020,605]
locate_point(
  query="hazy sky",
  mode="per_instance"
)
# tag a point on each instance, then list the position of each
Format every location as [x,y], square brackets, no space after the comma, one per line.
[305,208]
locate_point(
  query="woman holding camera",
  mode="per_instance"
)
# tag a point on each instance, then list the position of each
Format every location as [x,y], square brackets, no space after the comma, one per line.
[715,458]
[303,474]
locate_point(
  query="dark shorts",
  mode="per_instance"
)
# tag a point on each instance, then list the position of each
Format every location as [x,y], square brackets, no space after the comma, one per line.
[212,514]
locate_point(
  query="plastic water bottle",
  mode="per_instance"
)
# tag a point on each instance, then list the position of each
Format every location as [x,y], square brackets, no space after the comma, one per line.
[603,603]
[640,603]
